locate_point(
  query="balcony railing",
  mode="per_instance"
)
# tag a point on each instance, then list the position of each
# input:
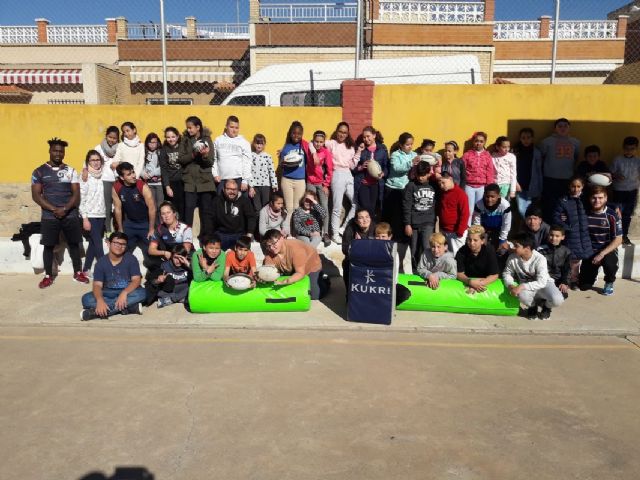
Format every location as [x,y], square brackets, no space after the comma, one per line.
[223,31]
[77,33]
[18,34]
[212,31]
[308,12]
[586,30]
[516,30]
[403,11]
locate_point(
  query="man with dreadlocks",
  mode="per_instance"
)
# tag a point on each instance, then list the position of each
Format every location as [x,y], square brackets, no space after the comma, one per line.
[55,186]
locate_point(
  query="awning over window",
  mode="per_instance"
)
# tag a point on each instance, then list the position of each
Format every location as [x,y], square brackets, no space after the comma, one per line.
[47,76]
[199,74]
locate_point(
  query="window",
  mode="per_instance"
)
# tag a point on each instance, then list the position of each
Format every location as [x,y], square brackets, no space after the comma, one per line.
[323,98]
[248,100]
[172,101]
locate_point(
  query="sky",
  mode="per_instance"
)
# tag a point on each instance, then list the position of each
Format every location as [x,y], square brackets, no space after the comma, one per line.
[65,12]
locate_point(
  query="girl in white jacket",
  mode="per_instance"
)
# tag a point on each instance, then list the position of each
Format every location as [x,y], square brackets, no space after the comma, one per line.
[92,208]
[131,149]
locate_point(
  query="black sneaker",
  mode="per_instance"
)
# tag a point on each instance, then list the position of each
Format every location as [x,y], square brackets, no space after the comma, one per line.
[574,286]
[134,309]
[626,242]
[326,240]
[532,313]
[88,314]
[545,313]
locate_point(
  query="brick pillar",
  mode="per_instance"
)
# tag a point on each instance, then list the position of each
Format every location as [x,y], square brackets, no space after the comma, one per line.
[375,10]
[192,30]
[623,21]
[112,30]
[489,10]
[545,26]
[121,28]
[357,104]
[254,11]
[42,29]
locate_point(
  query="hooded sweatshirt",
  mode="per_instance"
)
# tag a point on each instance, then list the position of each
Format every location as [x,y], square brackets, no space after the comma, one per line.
[232,158]
[233,216]
[453,211]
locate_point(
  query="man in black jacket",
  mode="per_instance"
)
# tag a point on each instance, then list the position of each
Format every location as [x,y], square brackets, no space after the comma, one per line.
[233,215]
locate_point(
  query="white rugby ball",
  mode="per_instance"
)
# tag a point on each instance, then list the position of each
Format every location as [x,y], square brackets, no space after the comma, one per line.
[292,158]
[199,145]
[430,159]
[599,179]
[373,168]
[268,273]
[239,281]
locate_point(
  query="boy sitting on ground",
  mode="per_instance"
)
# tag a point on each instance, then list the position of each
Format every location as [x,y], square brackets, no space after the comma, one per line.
[437,263]
[241,259]
[558,259]
[209,262]
[173,283]
[526,275]
[477,263]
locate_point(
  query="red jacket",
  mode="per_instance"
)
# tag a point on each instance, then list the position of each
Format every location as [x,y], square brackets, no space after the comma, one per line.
[453,211]
[480,169]
[320,174]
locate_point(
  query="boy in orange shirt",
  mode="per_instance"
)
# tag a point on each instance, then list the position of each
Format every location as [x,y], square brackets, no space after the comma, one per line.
[241,259]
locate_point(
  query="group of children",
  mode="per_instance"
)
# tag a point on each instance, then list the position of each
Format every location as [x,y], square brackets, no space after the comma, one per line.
[410,190]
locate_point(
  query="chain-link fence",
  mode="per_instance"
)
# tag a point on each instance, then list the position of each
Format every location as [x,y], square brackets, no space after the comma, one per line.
[292,52]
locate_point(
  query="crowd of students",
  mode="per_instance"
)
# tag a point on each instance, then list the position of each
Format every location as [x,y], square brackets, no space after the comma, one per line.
[144,194]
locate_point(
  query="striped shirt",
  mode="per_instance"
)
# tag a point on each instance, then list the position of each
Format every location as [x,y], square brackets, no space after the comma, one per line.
[604,227]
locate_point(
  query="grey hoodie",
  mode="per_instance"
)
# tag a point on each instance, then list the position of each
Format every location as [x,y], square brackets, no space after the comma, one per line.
[444,267]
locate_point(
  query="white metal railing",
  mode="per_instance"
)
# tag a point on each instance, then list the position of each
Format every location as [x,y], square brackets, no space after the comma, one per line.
[151,31]
[222,30]
[308,12]
[516,30]
[18,34]
[418,11]
[76,33]
[585,30]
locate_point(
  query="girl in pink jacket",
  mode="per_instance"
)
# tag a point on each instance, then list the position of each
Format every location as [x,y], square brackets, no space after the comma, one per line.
[319,173]
[478,164]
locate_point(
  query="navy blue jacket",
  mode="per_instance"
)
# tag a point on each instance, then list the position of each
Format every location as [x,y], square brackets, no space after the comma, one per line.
[381,155]
[571,213]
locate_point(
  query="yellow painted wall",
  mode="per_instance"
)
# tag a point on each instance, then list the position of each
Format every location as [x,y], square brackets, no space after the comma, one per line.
[599,114]
[28,127]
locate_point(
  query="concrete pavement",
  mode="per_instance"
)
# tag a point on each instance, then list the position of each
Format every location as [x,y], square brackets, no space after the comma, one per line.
[189,404]
[583,313]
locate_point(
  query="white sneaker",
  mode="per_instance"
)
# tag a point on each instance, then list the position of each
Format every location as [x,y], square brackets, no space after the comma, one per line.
[336,239]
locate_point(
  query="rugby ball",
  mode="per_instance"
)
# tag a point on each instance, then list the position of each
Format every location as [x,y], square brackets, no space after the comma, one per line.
[599,179]
[373,168]
[199,145]
[268,273]
[239,281]
[430,159]
[292,158]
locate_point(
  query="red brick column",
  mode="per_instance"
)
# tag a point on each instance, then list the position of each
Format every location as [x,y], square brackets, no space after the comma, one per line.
[489,10]
[357,104]
[623,21]
[545,27]
[42,29]
[112,30]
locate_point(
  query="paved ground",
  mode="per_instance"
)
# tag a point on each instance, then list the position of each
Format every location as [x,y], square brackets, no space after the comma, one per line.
[195,403]
[584,313]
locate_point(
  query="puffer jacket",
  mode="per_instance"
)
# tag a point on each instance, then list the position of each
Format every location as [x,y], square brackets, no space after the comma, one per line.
[572,215]
[381,155]
[196,169]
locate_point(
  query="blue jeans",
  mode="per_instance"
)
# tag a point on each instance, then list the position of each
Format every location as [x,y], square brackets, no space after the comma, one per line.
[228,240]
[111,295]
[137,233]
[524,200]
[96,243]
[474,194]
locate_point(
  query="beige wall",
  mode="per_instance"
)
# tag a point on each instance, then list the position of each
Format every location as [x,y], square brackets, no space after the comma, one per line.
[58,54]
[42,98]
[113,87]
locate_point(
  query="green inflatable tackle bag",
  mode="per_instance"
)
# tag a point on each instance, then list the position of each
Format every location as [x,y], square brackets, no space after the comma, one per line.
[216,297]
[452,297]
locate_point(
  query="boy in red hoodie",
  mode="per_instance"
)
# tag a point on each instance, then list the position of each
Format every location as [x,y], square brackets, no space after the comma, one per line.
[453,212]
[319,173]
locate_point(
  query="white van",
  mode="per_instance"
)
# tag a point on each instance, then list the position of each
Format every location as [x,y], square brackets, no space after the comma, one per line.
[318,84]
